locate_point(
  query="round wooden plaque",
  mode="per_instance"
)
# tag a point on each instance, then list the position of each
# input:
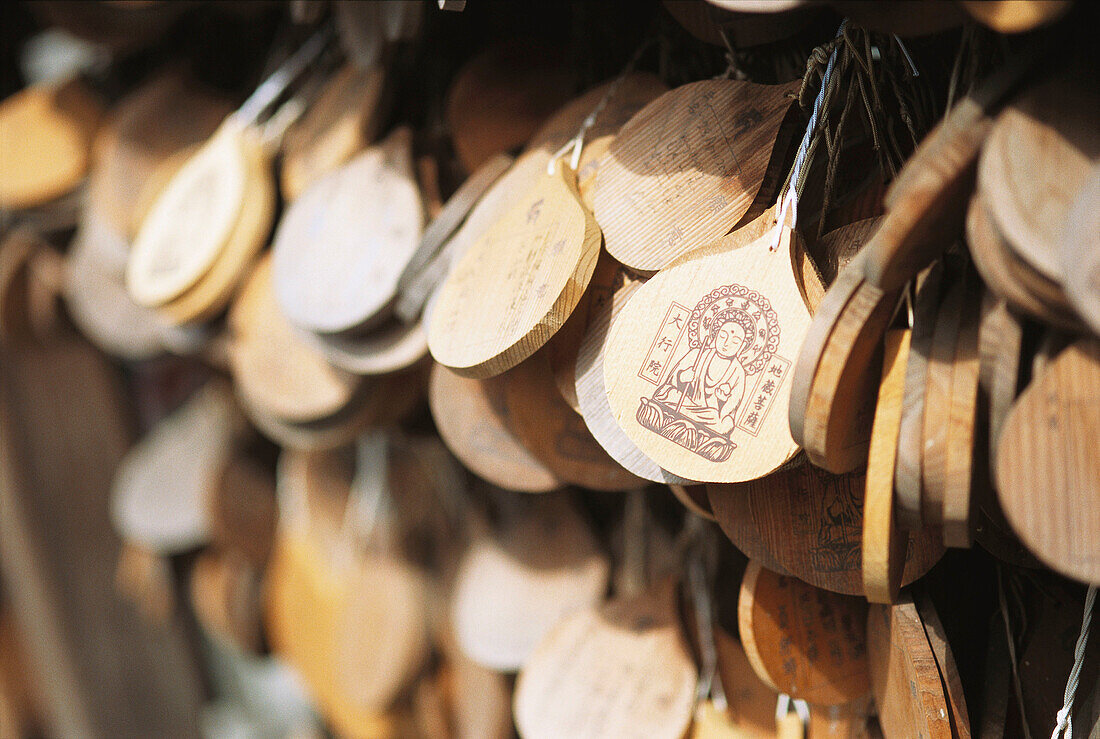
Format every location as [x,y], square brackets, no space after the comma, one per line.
[686,167]
[45,143]
[342,245]
[472,416]
[509,593]
[1036,160]
[883,545]
[698,366]
[340,122]
[904,675]
[811,521]
[276,370]
[194,217]
[392,347]
[555,433]
[518,283]
[1013,16]
[1081,251]
[160,490]
[807,642]
[1051,443]
[620,670]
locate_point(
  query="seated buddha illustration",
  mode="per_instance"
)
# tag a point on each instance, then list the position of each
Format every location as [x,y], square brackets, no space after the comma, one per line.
[731,334]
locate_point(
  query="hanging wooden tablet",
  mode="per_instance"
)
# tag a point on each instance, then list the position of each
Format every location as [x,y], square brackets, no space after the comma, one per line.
[1009,278]
[751,702]
[159,119]
[45,142]
[937,393]
[499,98]
[945,661]
[274,369]
[1035,161]
[966,432]
[685,168]
[391,347]
[96,296]
[472,416]
[510,591]
[910,446]
[198,215]
[613,103]
[904,674]
[160,490]
[555,433]
[883,545]
[733,513]
[622,668]
[338,124]
[699,366]
[342,245]
[1080,251]
[841,399]
[1050,442]
[480,699]
[811,522]
[420,275]
[807,642]
[518,283]
[836,249]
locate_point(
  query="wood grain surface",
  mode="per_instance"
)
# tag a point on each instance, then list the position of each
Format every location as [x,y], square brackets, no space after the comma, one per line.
[836,432]
[945,661]
[910,447]
[341,247]
[966,431]
[685,168]
[811,523]
[473,418]
[1081,251]
[555,433]
[518,283]
[807,642]
[883,545]
[729,424]
[1050,442]
[1036,160]
[904,675]
[512,589]
[622,668]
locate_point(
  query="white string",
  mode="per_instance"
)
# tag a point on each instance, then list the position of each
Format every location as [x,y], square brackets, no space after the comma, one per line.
[788,204]
[1064,726]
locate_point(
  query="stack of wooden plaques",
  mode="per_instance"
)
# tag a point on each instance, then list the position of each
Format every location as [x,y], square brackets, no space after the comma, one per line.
[750,391]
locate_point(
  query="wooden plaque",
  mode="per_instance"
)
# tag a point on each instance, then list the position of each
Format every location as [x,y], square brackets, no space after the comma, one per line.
[342,246]
[45,142]
[1051,443]
[904,674]
[160,490]
[617,670]
[273,367]
[392,347]
[686,167]
[472,416]
[518,283]
[807,642]
[883,545]
[194,217]
[812,522]
[555,433]
[1081,251]
[698,362]
[509,593]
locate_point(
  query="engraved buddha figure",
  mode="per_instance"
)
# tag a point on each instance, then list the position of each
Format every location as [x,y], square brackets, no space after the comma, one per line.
[707,384]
